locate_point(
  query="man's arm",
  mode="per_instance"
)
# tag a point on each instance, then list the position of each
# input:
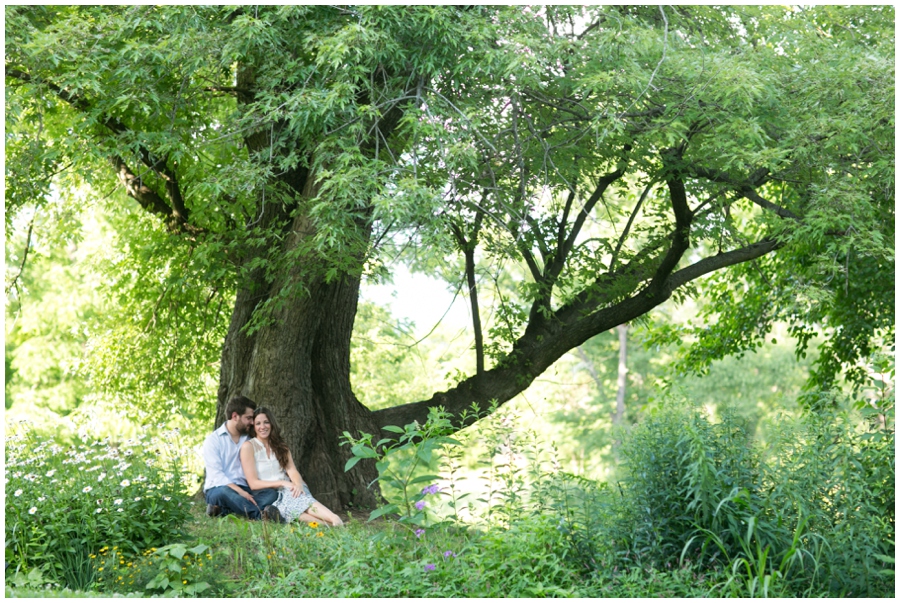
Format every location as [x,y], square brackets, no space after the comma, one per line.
[212,460]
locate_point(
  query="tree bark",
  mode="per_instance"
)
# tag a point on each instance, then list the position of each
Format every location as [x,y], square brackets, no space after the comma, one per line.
[298,366]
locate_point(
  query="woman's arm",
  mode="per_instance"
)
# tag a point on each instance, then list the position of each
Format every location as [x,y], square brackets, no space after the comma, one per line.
[248,463]
[296,481]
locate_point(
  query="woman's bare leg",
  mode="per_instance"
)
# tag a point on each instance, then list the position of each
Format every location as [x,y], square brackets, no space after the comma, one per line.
[322,513]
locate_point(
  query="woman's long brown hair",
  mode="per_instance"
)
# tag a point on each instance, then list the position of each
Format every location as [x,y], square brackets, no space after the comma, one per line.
[275,442]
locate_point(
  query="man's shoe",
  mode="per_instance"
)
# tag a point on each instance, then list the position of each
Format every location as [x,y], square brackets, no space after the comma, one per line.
[213,510]
[271,513]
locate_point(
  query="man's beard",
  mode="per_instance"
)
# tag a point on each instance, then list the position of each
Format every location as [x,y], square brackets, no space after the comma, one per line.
[242,429]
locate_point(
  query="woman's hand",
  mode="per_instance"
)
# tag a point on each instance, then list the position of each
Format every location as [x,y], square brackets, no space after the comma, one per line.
[294,488]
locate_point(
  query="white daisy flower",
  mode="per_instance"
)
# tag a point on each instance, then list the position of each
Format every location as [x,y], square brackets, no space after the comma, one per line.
[18,493]
[32,510]
[51,472]
[137,498]
[86,489]
[98,510]
[125,483]
[119,510]
[117,502]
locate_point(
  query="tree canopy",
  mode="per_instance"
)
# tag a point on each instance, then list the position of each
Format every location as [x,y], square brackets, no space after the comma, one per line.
[614,156]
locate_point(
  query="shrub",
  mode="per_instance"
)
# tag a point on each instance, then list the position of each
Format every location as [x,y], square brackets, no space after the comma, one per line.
[64,503]
[814,514]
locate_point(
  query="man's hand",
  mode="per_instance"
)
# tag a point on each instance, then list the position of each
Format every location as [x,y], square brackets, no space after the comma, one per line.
[243,493]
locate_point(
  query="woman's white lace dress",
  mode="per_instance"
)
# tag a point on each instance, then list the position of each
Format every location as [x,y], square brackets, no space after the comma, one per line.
[269,470]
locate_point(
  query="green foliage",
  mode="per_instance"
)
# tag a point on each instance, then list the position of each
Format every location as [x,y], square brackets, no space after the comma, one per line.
[175,579]
[64,502]
[810,513]
[401,462]
[308,142]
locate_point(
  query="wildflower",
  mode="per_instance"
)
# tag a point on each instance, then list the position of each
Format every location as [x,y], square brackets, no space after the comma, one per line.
[432,489]
[448,554]
[313,524]
[420,505]
[167,498]
[125,483]
[137,498]
[17,493]
[86,489]
[101,477]
[119,510]
[32,510]
[42,498]
[117,502]
[419,532]
[320,534]
[429,567]
[51,472]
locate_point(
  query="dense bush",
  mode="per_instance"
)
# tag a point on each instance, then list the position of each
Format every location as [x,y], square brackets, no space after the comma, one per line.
[65,503]
[814,513]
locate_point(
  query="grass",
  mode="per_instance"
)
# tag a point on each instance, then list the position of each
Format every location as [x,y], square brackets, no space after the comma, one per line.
[385,559]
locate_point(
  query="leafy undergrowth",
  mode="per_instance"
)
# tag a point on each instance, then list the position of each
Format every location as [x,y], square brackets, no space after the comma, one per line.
[698,510]
[383,559]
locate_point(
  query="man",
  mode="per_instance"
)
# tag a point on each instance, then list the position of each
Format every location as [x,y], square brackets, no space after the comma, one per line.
[225,488]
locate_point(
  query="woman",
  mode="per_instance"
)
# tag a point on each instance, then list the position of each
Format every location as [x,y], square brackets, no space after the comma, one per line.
[267,463]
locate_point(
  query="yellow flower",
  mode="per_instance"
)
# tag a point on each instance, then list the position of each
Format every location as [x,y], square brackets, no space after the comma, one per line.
[184,581]
[320,534]
[313,524]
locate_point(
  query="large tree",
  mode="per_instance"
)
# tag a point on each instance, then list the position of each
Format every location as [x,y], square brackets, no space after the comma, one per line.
[617,154]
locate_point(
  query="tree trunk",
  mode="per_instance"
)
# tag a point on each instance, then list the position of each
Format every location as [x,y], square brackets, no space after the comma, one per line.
[299,367]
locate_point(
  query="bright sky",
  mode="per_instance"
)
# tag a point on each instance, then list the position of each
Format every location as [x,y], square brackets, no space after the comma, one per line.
[420,298]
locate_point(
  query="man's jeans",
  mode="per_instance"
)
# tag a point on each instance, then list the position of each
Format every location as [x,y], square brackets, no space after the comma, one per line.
[232,502]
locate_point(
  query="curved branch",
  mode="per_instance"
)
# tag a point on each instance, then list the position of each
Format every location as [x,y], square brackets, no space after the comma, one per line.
[534,352]
[745,189]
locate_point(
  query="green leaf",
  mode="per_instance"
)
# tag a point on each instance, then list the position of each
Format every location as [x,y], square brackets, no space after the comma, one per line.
[391,508]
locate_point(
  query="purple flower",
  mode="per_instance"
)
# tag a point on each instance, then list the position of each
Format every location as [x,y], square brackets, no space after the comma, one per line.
[448,554]
[429,567]
[419,533]
[432,489]
[420,505]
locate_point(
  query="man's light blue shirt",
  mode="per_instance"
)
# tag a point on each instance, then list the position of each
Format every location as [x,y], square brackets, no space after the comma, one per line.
[222,458]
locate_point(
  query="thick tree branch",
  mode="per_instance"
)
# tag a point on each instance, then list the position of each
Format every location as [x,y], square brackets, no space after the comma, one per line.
[720,261]
[535,351]
[683,216]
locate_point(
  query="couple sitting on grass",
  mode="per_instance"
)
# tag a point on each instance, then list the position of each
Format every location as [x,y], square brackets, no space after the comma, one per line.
[250,471]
